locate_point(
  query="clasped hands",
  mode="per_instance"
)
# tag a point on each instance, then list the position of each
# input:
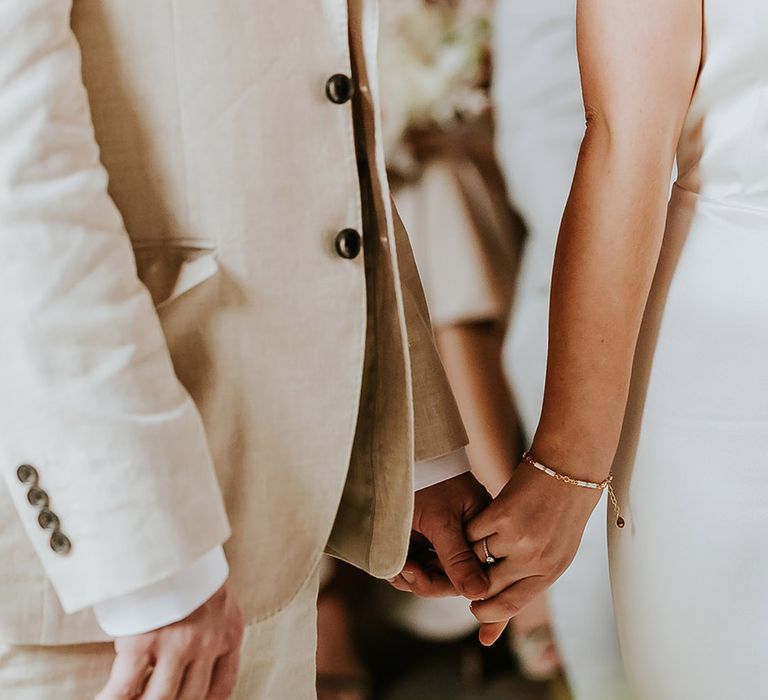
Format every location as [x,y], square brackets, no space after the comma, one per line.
[532,529]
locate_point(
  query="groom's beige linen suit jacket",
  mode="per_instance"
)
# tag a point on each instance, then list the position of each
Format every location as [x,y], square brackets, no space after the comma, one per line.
[184,321]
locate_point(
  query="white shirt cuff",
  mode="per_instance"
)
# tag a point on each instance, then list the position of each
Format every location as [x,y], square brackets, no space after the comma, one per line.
[433,471]
[166,601]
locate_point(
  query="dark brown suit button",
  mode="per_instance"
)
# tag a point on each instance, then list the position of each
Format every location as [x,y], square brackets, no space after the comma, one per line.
[27,474]
[60,543]
[348,243]
[37,497]
[339,88]
[48,520]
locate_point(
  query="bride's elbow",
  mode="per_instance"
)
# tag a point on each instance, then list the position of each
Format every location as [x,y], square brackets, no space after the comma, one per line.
[629,133]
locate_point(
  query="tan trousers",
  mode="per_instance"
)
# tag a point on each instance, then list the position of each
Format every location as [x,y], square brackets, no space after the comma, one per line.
[278,661]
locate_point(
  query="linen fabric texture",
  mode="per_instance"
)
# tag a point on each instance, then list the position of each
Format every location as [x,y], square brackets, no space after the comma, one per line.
[200,376]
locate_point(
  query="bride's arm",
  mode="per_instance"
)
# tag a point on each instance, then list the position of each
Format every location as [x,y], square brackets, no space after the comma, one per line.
[639,62]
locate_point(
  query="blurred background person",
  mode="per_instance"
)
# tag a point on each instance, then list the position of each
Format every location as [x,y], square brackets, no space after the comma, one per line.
[450,193]
[448,189]
[439,139]
[540,124]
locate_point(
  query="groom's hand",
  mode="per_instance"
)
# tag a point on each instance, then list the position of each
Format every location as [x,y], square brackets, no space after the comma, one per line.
[194,659]
[441,561]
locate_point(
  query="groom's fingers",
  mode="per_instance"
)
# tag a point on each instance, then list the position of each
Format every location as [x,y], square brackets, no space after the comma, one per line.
[459,561]
[166,678]
[126,680]
[224,677]
[197,680]
[400,584]
[423,582]
[427,583]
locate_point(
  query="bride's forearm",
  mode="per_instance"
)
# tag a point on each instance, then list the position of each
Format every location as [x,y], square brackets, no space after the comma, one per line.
[606,257]
[639,61]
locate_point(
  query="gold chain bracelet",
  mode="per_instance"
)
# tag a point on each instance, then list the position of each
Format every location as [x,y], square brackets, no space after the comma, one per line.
[607,484]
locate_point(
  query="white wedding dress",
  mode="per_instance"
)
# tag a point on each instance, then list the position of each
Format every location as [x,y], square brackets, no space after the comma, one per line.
[690,569]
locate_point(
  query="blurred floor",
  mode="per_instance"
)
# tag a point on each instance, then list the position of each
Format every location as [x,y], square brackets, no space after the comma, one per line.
[359,634]
[404,668]
[439,681]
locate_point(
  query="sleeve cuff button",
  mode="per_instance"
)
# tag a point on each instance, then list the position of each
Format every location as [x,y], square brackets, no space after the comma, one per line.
[27,474]
[37,497]
[48,520]
[60,543]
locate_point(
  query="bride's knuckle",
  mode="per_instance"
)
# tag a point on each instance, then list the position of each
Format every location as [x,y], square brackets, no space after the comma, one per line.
[528,551]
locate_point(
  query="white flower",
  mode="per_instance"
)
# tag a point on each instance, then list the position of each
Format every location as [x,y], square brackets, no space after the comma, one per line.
[429,60]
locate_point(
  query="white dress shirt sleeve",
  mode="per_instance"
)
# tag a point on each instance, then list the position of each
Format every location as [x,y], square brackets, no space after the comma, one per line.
[166,601]
[433,471]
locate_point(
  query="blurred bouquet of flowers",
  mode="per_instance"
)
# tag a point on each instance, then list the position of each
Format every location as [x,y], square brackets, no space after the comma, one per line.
[433,66]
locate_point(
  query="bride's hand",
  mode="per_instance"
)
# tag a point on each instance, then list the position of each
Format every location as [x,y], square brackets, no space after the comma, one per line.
[533,529]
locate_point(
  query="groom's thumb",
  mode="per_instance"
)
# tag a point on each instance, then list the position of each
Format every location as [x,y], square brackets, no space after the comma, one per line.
[460,562]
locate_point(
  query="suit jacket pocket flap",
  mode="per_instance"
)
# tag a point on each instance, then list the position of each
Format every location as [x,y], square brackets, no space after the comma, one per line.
[169,270]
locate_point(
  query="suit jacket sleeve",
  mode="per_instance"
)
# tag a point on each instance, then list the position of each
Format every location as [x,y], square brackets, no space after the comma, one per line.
[89,397]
